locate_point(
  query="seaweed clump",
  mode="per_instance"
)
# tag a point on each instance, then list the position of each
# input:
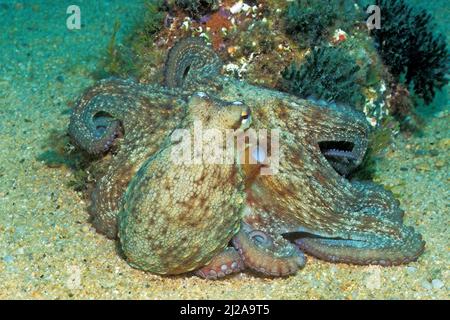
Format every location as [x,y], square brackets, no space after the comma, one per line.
[61,153]
[308,20]
[153,17]
[410,48]
[197,8]
[329,73]
[379,141]
[115,61]
[137,50]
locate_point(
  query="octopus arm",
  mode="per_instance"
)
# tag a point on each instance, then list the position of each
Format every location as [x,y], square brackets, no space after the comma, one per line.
[96,121]
[385,252]
[146,117]
[225,263]
[191,62]
[269,256]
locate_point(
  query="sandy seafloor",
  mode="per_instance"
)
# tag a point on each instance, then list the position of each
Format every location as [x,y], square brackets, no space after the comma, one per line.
[48,250]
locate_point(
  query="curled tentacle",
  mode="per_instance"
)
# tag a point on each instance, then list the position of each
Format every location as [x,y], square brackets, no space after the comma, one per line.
[261,239]
[261,253]
[377,205]
[225,263]
[191,62]
[97,119]
[96,128]
[144,115]
[337,219]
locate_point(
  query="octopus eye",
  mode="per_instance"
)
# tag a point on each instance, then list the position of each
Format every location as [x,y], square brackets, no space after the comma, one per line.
[245,117]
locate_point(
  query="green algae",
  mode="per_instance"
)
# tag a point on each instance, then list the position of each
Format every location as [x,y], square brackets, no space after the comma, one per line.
[308,21]
[128,58]
[379,140]
[61,153]
[116,61]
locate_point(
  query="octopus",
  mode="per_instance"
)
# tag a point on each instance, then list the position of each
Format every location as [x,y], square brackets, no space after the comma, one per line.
[282,196]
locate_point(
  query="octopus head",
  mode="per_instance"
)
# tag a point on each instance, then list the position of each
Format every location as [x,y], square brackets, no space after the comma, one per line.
[218,114]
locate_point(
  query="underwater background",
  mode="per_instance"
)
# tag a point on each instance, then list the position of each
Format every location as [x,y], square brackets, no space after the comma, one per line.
[49,250]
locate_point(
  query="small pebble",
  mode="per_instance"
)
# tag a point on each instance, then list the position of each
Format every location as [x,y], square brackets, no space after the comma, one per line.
[434,153]
[8,259]
[411,269]
[427,285]
[420,152]
[423,167]
[437,283]
[440,164]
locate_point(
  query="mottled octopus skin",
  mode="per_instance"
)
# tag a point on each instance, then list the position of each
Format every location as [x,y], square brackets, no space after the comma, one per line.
[360,223]
[179,218]
[145,116]
[333,218]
